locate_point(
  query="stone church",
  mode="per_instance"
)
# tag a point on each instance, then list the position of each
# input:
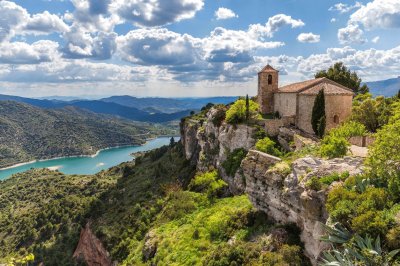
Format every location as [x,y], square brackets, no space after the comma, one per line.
[296,101]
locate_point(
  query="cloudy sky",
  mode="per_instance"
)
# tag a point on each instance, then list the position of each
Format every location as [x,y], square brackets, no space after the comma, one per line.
[180,48]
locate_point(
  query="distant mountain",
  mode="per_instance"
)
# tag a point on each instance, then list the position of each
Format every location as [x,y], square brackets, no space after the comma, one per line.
[102,107]
[167,105]
[386,88]
[155,110]
[28,132]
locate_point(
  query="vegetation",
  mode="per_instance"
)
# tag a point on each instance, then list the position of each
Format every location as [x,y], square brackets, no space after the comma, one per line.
[233,161]
[335,143]
[208,183]
[342,75]
[30,133]
[318,120]
[237,113]
[268,146]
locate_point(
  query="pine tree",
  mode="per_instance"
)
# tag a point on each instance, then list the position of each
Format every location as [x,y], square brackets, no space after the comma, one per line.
[172,142]
[318,114]
[247,108]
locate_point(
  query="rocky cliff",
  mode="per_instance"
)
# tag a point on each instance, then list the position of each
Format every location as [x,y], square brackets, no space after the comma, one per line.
[275,187]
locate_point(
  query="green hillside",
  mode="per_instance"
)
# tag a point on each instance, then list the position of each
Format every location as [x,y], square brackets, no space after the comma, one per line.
[28,132]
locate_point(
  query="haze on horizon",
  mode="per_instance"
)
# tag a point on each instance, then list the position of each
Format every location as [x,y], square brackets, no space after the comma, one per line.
[198,48]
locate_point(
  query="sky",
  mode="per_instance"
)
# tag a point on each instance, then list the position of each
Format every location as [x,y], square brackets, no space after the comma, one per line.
[188,48]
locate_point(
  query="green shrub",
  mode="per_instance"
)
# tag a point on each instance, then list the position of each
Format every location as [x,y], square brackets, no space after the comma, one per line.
[384,157]
[268,146]
[208,183]
[314,183]
[233,161]
[237,112]
[327,180]
[334,147]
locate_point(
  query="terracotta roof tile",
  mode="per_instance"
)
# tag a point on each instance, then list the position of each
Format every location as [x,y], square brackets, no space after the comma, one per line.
[268,68]
[313,86]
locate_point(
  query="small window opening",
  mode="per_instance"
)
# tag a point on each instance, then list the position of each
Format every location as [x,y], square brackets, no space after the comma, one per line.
[336,119]
[269,79]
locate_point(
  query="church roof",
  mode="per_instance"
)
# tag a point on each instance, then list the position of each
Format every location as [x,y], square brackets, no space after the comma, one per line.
[268,68]
[313,86]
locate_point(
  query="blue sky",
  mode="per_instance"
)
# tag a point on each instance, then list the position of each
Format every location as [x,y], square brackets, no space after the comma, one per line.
[188,47]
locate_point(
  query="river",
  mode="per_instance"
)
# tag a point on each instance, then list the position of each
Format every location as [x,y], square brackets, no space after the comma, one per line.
[104,159]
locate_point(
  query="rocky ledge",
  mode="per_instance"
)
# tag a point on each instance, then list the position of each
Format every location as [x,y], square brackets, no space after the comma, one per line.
[280,190]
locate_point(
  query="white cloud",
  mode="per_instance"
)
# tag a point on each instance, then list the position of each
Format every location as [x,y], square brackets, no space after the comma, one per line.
[375,39]
[225,13]
[378,14]
[44,23]
[12,18]
[308,37]
[274,24]
[150,13]
[23,53]
[333,20]
[352,34]
[344,8]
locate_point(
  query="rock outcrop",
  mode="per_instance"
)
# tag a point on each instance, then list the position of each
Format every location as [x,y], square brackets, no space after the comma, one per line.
[90,249]
[208,144]
[282,193]
[273,186]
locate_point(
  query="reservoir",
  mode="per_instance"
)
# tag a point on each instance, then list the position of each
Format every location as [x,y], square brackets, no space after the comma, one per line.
[104,159]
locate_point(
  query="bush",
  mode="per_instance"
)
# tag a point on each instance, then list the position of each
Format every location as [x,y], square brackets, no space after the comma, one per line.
[363,212]
[268,146]
[233,161]
[314,183]
[335,143]
[208,183]
[384,158]
[334,147]
[237,112]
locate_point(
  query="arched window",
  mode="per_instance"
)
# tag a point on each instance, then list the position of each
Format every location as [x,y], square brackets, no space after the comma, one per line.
[336,119]
[269,79]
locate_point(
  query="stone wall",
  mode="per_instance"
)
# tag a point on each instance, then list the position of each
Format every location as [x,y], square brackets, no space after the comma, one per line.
[362,141]
[335,105]
[285,103]
[272,125]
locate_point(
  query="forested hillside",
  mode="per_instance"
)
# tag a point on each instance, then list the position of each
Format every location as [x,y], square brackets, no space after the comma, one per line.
[28,132]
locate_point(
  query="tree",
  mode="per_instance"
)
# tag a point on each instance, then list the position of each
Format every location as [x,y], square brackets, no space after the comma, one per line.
[247,108]
[318,114]
[172,142]
[342,75]
[237,112]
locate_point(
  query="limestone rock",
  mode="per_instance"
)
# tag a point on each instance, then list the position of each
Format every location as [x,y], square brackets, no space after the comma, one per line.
[149,249]
[284,197]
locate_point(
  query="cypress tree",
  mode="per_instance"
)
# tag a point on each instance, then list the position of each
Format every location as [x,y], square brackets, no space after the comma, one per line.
[318,114]
[247,108]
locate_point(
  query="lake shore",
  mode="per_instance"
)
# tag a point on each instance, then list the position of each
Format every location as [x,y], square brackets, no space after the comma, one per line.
[85,155]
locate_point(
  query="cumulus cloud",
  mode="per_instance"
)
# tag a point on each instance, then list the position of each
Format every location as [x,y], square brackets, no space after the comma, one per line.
[352,34]
[12,18]
[16,20]
[23,53]
[158,47]
[150,13]
[274,24]
[378,14]
[225,13]
[344,8]
[308,37]
[44,23]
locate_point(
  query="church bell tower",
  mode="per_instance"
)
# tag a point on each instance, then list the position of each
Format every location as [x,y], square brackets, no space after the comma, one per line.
[267,86]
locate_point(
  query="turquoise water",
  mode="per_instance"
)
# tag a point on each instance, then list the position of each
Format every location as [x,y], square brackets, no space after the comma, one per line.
[89,165]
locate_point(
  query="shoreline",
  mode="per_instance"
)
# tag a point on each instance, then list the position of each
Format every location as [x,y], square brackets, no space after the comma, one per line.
[76,156]
[83,155]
